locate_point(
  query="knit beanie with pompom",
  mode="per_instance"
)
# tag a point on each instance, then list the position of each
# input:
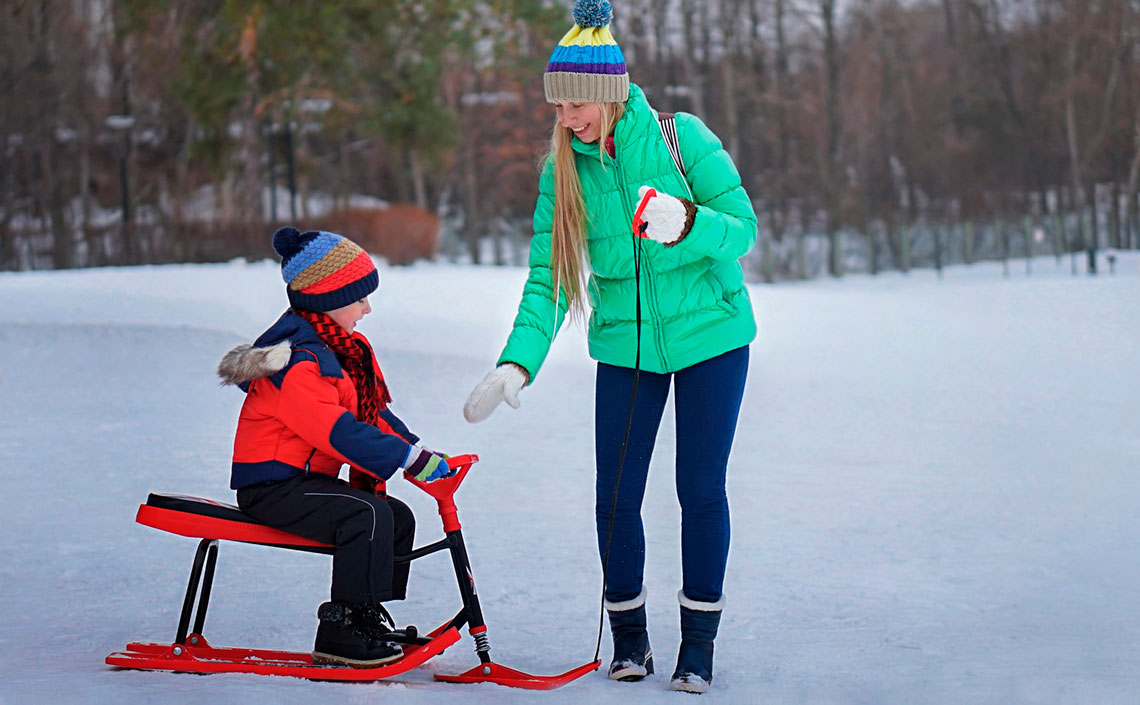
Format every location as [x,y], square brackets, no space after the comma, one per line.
[587,65]
[323,271]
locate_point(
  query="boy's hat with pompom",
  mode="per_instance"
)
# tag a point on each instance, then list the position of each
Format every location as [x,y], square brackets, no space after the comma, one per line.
[323,271]
[587,65]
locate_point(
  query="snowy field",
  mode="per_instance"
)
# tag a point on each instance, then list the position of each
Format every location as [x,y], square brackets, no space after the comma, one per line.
[934,490]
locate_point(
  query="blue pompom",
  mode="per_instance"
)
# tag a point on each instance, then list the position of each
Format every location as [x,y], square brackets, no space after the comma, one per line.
[593,13]
[288,241]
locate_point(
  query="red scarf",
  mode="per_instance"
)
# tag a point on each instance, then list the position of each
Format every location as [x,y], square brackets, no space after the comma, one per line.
[355,356]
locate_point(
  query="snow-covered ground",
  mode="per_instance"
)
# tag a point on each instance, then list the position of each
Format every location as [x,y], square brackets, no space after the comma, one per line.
[935,490]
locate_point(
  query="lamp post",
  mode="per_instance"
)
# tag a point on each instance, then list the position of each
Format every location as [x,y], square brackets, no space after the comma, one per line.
[270,131]
[291,166]
[123,124]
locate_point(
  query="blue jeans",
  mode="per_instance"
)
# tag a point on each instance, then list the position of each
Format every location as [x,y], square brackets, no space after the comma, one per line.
[707,400]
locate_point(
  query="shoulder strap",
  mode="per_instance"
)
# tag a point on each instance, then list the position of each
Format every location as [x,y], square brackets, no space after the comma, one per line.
[669,131]
[668,124]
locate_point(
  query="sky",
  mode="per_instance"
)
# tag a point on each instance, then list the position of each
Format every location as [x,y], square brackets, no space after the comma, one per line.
[933,489]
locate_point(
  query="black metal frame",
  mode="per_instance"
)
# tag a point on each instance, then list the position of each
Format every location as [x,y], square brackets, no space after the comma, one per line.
[206,559]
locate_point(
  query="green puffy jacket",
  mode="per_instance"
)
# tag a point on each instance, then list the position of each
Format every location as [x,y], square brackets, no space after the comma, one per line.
[694,305]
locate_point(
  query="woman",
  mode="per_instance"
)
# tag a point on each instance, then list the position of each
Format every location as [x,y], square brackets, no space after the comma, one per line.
[684,284]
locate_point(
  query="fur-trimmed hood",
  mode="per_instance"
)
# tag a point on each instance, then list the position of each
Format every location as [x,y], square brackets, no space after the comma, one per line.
[272,352]
[246,363]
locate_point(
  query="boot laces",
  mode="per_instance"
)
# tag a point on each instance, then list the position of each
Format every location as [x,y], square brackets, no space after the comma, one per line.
[381,617]
[378,623]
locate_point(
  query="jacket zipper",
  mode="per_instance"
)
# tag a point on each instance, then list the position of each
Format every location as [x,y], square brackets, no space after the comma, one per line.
[650,290]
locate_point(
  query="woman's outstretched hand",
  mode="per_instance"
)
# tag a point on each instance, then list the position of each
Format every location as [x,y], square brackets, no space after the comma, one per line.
[501,384]
[665,219]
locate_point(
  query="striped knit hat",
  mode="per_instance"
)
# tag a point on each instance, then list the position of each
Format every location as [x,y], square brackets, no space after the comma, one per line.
[587,65]
[323,271]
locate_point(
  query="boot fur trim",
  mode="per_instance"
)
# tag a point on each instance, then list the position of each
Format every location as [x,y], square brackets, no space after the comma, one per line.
[628,604]
[697,605]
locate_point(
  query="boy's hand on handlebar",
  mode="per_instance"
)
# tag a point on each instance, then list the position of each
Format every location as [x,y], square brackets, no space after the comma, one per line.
[435,471]
[426,466]
[501,384]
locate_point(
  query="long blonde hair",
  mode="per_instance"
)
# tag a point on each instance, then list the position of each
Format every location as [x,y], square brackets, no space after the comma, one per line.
[568,233]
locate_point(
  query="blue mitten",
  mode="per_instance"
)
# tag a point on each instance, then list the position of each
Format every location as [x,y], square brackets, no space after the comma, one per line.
[425,465]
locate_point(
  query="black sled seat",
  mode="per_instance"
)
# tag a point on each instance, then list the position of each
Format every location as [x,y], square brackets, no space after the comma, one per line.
[200,518]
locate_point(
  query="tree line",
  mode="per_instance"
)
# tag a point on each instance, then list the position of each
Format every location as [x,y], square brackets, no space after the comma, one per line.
[140,131]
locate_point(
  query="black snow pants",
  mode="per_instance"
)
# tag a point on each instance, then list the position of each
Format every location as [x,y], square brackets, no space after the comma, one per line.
[367,530]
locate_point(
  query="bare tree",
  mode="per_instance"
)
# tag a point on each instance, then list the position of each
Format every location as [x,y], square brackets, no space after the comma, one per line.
[1087,19]
[694,55]
[1132,207]
[833,170]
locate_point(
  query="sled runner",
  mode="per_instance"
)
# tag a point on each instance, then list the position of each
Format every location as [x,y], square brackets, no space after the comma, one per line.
[212,522]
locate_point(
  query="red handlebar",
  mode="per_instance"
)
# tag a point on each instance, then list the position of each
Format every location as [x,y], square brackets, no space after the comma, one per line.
[443,489]
[639,225]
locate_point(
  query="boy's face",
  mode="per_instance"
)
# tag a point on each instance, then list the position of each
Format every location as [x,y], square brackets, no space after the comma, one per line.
[348,316]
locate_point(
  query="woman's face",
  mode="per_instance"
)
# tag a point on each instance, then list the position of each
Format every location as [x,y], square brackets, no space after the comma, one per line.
[584,119]
[348,316]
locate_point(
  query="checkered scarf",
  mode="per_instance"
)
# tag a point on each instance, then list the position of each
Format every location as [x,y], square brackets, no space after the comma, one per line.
[355,356]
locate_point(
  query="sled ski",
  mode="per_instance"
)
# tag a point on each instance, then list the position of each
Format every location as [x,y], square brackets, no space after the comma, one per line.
[197,656]
[211,522]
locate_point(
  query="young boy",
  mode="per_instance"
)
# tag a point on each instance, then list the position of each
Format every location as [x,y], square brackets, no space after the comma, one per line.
[315,400]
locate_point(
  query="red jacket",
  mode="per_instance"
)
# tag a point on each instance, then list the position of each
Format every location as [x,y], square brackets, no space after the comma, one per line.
[299,414]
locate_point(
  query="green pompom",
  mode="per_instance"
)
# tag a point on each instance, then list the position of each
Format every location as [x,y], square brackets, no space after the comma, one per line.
[593,13]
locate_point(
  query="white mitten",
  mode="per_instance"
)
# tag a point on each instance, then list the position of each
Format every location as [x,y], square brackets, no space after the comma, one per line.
[501,384]
[667,219]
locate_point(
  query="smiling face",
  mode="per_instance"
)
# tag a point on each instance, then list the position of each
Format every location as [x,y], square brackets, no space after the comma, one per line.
[583,119]
[348,316]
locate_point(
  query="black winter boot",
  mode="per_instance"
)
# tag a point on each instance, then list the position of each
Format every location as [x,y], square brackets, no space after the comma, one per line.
[699,624]
[344,638]
[381,626]
[633,658]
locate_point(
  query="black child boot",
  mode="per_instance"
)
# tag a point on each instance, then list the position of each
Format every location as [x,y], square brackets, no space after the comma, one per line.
[344,638]
[382,627]
[699,624]
[633,658]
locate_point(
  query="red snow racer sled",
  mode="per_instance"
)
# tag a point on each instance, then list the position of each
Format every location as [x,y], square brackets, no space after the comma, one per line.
[216,521]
